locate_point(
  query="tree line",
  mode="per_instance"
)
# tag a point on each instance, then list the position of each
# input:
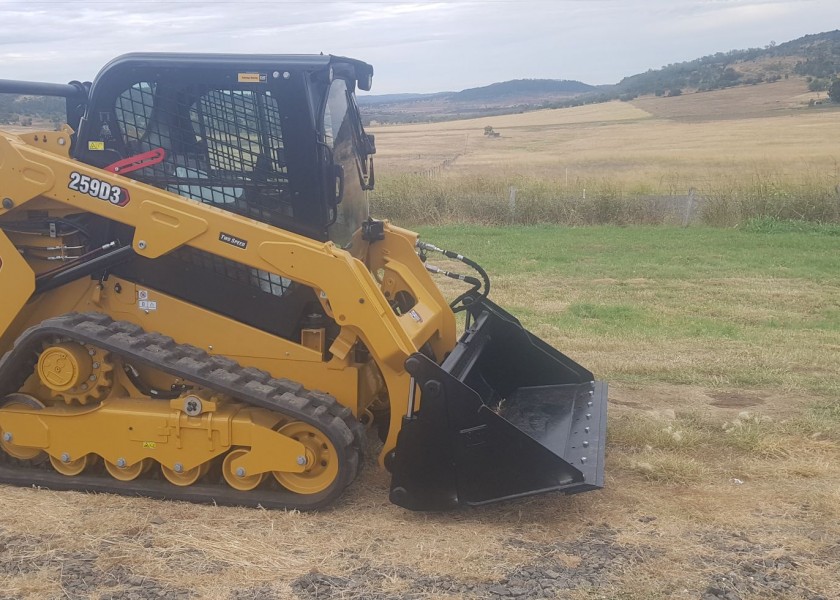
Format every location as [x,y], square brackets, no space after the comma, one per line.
[21,110]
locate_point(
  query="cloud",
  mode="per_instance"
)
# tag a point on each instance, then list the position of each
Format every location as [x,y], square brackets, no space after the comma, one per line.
[414,46]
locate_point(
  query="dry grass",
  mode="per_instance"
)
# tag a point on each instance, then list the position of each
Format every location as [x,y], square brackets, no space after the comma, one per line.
[685,141]
[752,151]
[673,519]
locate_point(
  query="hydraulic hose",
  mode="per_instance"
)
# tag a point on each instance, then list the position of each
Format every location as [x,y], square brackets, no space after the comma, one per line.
[460,303]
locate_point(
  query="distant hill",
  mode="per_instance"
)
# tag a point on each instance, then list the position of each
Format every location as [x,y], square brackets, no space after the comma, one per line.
[520,88]
[814,56]
[389,98]
[496,98]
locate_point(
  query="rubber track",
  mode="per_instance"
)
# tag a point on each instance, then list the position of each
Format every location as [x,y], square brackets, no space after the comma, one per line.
[248,385]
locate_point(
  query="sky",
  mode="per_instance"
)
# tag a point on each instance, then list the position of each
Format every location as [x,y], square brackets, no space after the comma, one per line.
[421,46]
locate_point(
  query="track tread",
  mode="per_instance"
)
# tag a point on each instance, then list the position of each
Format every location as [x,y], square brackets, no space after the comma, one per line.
[247,384]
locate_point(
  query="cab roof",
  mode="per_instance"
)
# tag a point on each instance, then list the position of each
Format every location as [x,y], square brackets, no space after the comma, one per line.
[269,62]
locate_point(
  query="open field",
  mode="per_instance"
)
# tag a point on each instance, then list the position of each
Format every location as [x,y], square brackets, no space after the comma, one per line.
[729,132]
[762,142]
[723,462]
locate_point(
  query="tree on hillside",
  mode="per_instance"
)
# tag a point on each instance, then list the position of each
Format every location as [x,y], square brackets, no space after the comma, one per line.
[834,91]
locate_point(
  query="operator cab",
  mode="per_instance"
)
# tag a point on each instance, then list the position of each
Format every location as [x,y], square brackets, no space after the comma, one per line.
[277,138]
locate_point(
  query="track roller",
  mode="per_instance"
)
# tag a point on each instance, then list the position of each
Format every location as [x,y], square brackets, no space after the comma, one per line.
[177,476]
[66,466]
[238,479]
[128,473]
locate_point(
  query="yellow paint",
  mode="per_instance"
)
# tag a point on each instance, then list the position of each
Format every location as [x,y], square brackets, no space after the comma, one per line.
[38,172]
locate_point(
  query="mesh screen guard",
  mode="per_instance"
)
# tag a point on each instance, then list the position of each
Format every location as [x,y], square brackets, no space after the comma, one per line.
[223,148]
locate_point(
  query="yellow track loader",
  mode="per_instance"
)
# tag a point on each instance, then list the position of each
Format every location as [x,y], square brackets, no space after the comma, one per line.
[195,304]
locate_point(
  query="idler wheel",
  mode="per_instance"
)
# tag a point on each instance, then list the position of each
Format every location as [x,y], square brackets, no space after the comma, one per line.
[321,459]
[7,437]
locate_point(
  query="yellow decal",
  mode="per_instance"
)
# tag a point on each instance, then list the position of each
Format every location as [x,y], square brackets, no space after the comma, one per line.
[151,445]
[96,145]
[251,78]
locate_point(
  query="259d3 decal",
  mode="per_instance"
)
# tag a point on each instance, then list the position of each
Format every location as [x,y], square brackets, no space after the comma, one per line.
[98,189]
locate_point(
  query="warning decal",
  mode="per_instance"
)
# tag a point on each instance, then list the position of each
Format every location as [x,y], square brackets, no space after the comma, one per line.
[252,78]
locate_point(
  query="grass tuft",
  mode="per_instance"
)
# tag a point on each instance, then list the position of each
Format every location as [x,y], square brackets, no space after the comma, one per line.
[667,468]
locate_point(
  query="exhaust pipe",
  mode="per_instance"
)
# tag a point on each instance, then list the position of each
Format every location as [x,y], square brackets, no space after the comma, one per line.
[504,416]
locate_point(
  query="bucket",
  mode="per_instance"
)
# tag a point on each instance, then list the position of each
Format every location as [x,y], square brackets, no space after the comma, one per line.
[505,415]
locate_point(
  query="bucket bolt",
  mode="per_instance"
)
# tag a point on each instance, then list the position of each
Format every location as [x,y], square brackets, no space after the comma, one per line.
[179,468]
[65,457]
[7,437]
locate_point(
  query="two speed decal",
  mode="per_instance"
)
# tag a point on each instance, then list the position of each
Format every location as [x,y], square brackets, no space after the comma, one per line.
[98,189]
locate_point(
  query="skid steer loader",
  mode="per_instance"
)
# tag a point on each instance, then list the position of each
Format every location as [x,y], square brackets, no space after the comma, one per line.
[195,304]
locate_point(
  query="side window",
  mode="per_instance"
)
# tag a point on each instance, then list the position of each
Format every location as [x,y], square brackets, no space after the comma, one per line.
[134,110]
[335,112]
[339,127]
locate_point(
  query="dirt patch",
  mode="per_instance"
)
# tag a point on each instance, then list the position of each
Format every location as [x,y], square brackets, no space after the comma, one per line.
[78,574]
[681,398]
[589,563]
[735,400]
[81,577]
[758,572]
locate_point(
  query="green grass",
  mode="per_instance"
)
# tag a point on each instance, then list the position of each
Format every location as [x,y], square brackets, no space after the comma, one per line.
[719,308]
[775,225]
[688,254]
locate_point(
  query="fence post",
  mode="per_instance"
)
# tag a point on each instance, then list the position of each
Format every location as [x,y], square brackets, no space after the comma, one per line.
[512,201]
[689,206]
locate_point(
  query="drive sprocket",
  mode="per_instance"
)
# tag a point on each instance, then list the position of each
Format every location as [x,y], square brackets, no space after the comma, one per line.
[75,372]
